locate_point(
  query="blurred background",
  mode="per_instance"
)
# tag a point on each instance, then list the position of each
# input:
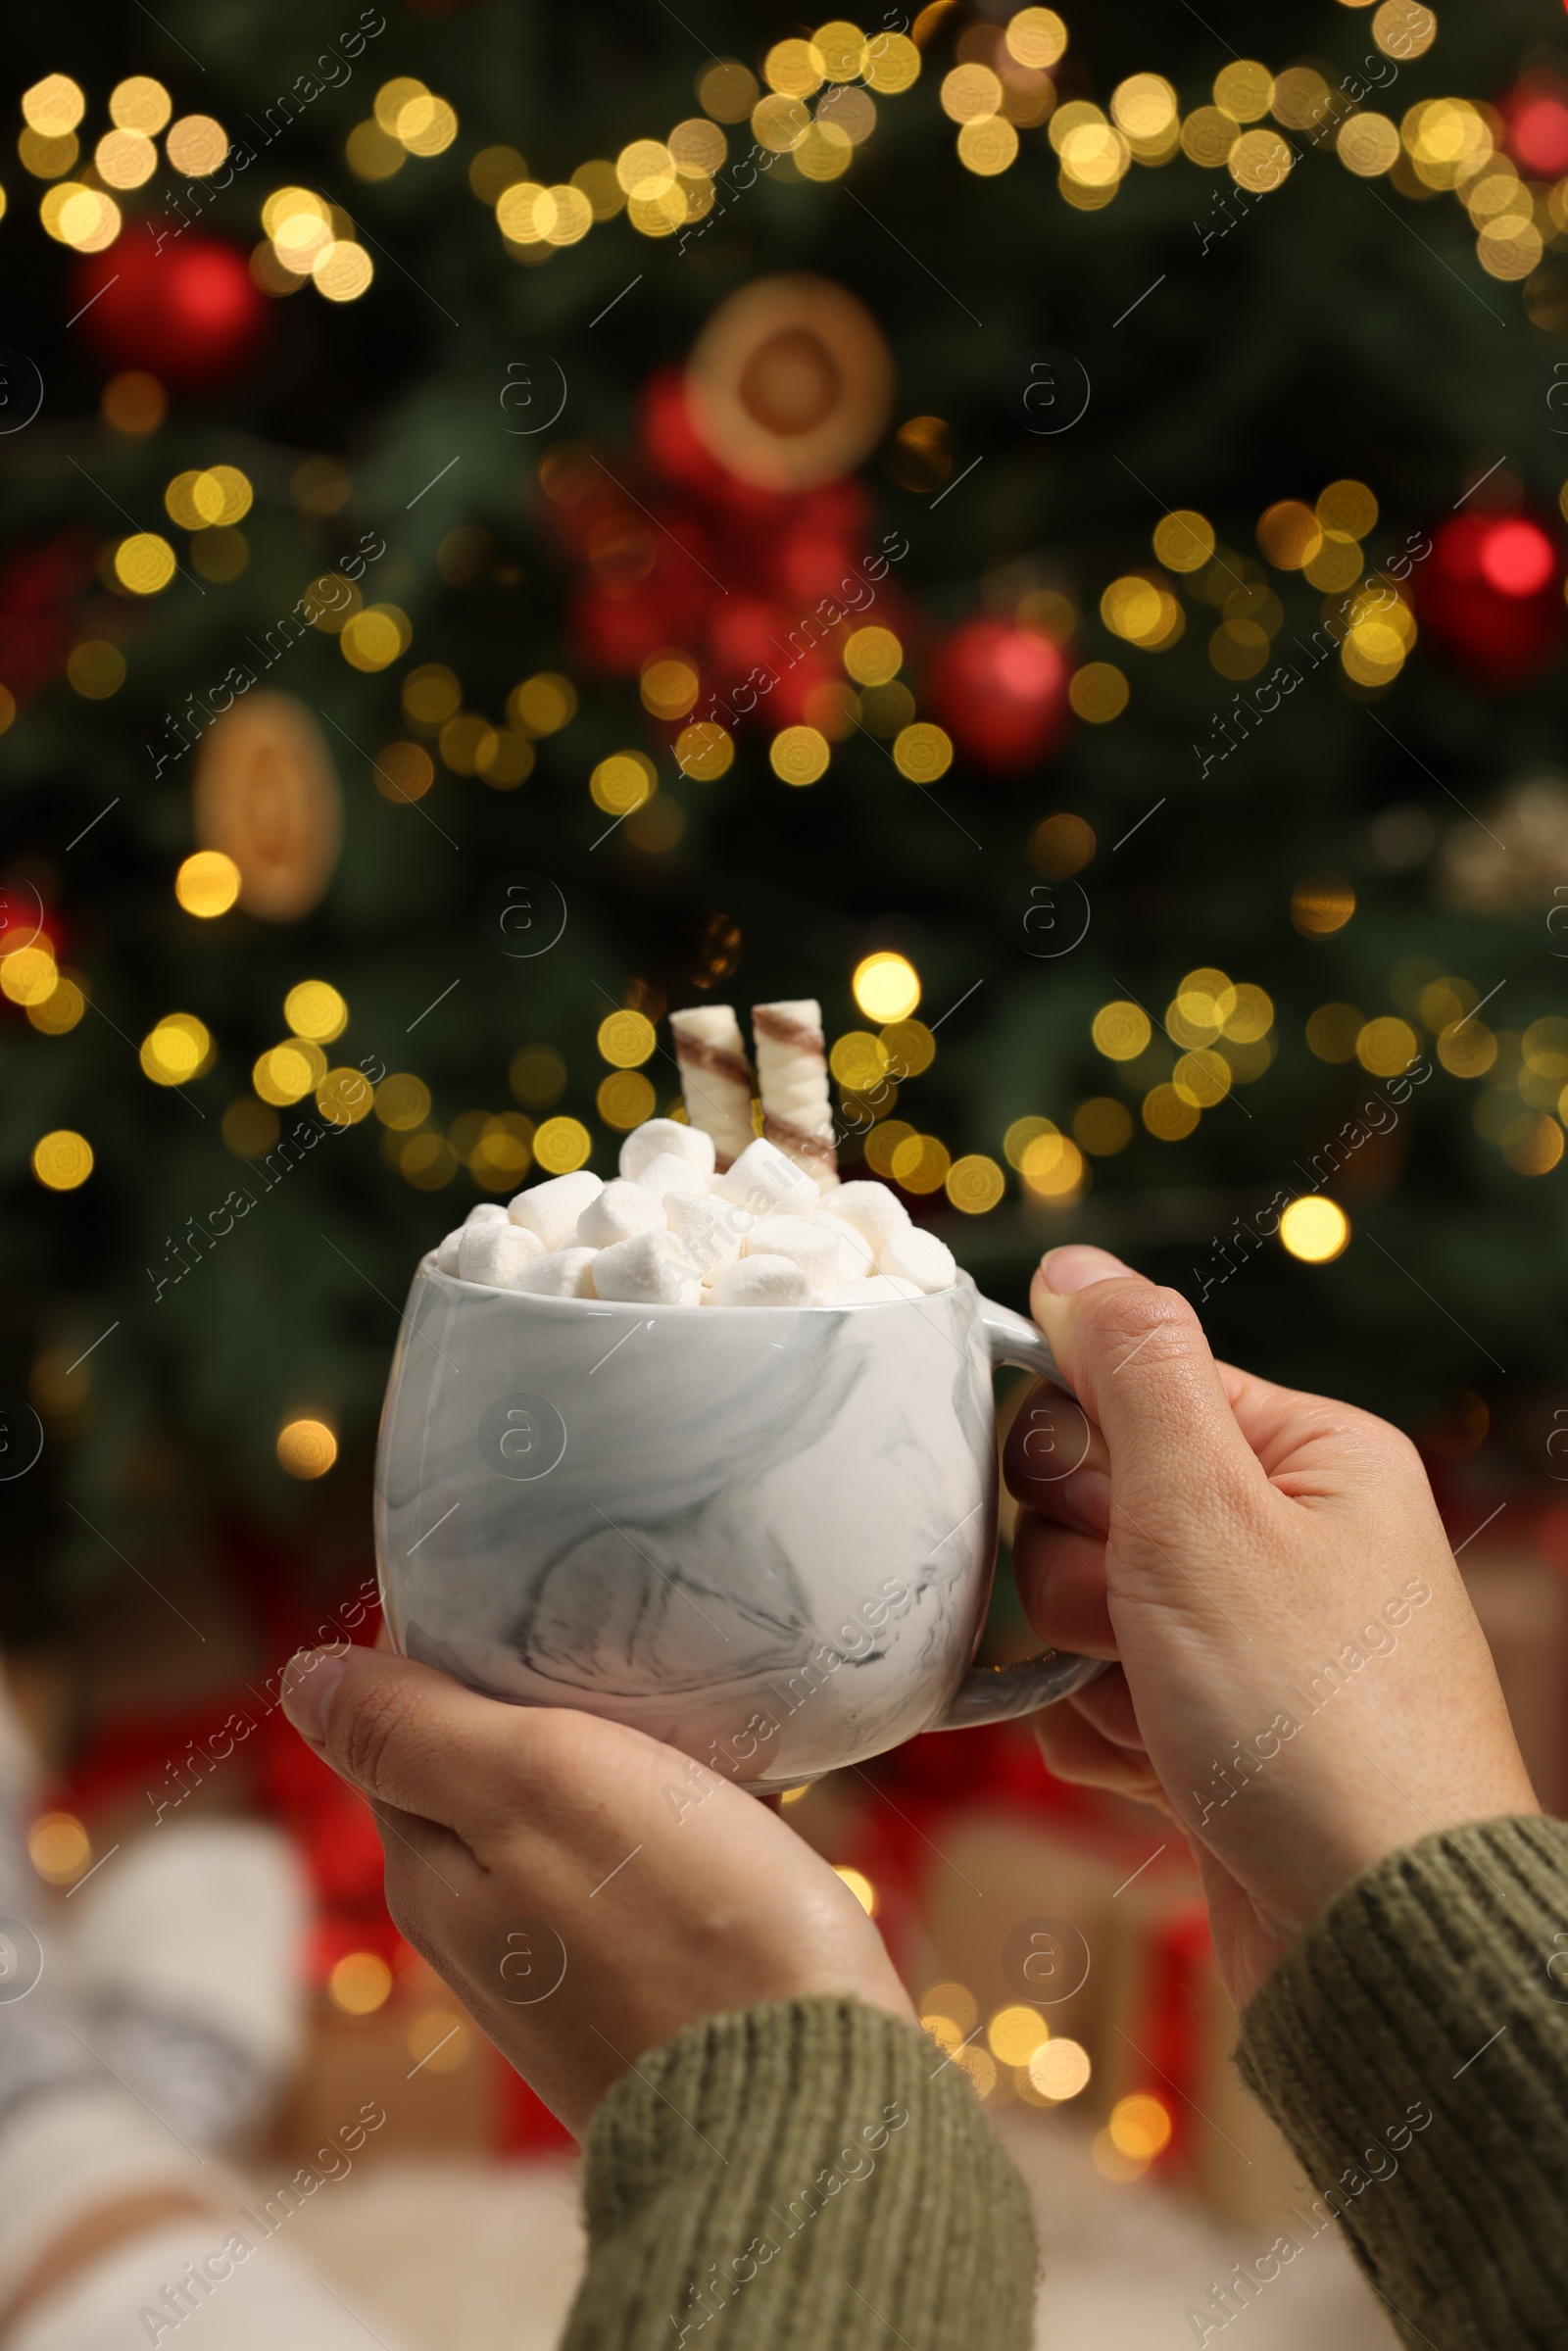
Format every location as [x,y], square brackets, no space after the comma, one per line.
[1046,534]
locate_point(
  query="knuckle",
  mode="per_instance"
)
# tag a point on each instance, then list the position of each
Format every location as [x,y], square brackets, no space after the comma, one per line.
[1160,1323]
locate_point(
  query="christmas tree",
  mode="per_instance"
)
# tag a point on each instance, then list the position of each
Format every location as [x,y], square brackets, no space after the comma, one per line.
[1041,534]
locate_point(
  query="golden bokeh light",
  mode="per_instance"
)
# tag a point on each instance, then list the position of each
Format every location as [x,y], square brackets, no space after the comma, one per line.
[1097,692]
[886,986]
[144,562]
[1121,1030]
[622,782]
[1014,2034]
[28,975]
[140,104]
[401,1102]
[860,1886]
[627,1038]
[59,1848]
[1102,1126]
[359,1983]
[974,1184]
[1332,1031]
[196,145]
[306,1448]
[1184,541]
[54,105]
[799,754]
[1052,1167]
[922,752]
[562,1146]
[705,750]
[1531,1143]
[1315,1229]
[1168,1115]
[919,1163]
[1140,2125]
[314,1008]
[125,159]
[1035,37]
[62,1159]
[180,1047]
[1059,2069]
[670,685]
[624,1100]
[1322,903]
[96,669]
[1388,1046]
[1290,534]
[207,884]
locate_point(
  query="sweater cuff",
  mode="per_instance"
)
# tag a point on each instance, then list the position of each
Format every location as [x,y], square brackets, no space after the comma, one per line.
[820,2166]
[1413,2048]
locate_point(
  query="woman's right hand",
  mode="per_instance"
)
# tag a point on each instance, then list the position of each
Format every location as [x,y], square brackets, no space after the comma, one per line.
[1299,1677]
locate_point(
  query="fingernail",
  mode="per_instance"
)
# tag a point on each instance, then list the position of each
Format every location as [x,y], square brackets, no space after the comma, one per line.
[1086,1495]
[310,1684]
[1076,1267]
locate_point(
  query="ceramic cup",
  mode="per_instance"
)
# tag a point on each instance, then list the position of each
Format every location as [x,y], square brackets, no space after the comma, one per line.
[765,1537]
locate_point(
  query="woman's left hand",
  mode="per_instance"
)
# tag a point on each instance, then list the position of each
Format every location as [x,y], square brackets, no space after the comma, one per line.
[585,1891]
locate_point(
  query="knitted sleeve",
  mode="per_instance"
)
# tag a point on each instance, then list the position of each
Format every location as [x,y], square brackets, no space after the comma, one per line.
[1413,2048]
[815,2172]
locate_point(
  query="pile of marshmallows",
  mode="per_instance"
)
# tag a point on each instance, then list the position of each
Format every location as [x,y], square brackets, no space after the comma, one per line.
[670,1232]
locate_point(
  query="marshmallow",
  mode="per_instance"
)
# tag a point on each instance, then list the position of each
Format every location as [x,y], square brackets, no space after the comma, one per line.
[805,1240]
[552,1209]
[563,1273]
[767,1183]
[664,1174]
[496,1252]
[714,1081]
[792,1079]
[710,1231]
[656,1135]
[446,1257]
[870,1208]
[487,1211]
[920,1257]
[650,1270]
[616,1213]
[857,1256]
[758,1282]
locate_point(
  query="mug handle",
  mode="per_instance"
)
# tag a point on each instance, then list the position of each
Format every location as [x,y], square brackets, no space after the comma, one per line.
[999,1693]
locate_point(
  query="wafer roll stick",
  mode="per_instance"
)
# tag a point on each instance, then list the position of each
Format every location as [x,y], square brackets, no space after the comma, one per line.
[714,1077]
[792,1078]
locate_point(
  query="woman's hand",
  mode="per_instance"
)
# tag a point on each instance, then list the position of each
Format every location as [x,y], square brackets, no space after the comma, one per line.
[1300,1681]
[586,1891]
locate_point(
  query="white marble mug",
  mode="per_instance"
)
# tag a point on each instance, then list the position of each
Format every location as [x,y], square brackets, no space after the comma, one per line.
[763,1535]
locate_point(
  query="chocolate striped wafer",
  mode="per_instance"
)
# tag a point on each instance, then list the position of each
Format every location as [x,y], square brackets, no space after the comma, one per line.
[792,1078]
[714,1077]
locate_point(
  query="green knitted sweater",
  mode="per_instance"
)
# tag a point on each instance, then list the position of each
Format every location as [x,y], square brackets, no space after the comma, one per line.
[812,2174]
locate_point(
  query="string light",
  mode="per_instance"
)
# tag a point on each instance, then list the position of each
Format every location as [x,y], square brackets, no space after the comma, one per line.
[1315,1229]
[306,1448]
[62,1159]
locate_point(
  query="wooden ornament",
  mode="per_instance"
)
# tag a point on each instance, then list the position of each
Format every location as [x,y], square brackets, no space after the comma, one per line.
[266,795]
[791,382]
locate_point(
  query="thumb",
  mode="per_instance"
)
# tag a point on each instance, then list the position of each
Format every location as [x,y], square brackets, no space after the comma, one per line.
[399,1731]
[1141,1366]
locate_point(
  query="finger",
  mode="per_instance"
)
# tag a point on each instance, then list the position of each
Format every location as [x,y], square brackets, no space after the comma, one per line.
[1061,1577]
[1139,1364]
[1075,1750]
[1054,1459]
[1106,1705]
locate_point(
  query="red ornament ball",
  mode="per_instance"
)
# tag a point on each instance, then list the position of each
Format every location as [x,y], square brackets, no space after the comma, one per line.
[187,309]
[1000,691]
[1492,595]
